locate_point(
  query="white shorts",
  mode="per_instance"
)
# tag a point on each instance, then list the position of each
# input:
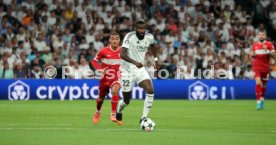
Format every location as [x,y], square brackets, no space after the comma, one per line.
[129,78]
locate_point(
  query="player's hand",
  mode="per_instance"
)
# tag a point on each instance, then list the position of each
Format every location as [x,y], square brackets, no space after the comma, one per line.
[102,71]
[157,64]
[252,53]
[138,64]
[264,47]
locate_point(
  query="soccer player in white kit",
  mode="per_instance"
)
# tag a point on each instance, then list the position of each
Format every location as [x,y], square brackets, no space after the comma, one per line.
[134,47]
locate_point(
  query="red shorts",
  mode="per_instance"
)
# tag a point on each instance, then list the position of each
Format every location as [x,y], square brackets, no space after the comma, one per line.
[263,75]
[106,84]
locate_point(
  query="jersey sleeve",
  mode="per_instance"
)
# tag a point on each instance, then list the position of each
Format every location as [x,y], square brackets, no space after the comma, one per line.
[272,48]
[99,55]
[95,64]
[253,48]
[95,61]
[126,41]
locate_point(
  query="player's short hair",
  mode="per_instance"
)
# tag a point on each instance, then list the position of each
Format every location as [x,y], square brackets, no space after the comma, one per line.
[139,22]
[114,33]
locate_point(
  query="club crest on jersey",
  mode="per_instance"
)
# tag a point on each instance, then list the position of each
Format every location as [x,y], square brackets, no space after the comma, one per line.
[141,48]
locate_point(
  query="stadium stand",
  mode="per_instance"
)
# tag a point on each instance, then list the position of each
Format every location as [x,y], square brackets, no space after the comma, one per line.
[191,34]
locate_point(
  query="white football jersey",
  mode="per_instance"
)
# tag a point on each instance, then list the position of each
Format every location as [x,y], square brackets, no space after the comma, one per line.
[136,49]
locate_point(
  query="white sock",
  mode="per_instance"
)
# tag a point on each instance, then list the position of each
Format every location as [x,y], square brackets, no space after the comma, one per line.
[121,106]
[147,104]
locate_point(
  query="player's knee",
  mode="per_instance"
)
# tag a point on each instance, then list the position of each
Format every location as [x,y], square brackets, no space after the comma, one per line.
[127,96]
[115,90]
[149,90]
[126,101]
[115,93]
[259,83]
[101,97]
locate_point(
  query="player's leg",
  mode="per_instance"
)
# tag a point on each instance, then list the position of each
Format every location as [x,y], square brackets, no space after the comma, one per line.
[99,103]
[264,78]
[148,87]
[122,104]
[145,82]
[115,87]
[259,86]
[127,85]
[263,94]
[103,91]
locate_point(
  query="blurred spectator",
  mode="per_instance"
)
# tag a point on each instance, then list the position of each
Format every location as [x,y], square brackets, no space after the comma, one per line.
[237,69]
[83,68]
[6,72]
[248,73]
[273,69]
[27,19]
[40,43]
[47,56]
[97,43]
[36,72]
[20,72]
[58,66]
[59,42]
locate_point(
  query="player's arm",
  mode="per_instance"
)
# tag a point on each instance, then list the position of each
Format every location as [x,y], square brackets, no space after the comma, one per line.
[273,54]
[272,51]
[125,57]
[154,49]
[95,62]
[253,53]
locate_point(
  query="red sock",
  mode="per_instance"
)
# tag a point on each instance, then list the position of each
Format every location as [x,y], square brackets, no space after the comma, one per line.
[114,103]
[258,92]
[263,91]
[99,104]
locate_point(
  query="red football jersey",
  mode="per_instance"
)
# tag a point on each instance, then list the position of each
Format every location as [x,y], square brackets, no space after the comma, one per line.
[261,61]
[110,59]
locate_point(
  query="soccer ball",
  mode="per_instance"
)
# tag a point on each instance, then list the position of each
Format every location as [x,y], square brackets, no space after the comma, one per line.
[147,125]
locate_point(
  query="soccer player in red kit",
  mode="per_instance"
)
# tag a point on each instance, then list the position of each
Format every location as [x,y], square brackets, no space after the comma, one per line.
[261,53]
[110,63]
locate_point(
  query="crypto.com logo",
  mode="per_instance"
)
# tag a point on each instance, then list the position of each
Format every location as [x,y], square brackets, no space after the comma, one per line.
[19,91]
[198,91]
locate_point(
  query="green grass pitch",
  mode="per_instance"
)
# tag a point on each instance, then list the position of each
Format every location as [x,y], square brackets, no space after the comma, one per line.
[178,123]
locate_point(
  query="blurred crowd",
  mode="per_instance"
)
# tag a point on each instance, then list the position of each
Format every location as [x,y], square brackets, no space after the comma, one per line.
[191,35]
